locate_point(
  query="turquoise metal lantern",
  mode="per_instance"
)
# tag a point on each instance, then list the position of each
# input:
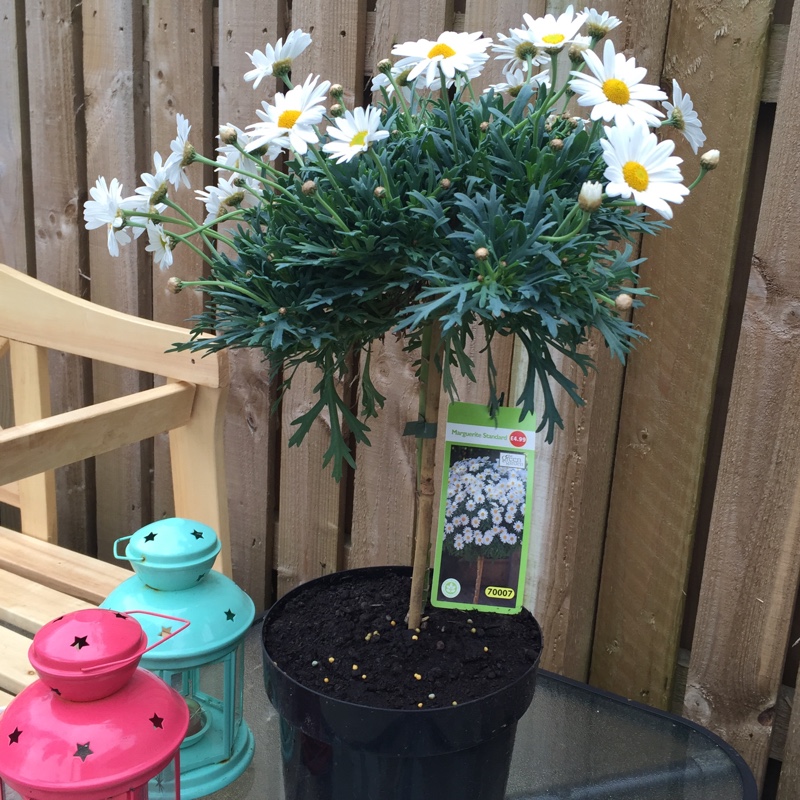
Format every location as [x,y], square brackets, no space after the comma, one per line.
[173,561]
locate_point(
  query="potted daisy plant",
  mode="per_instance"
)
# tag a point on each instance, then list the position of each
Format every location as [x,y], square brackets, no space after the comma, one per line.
[430,213]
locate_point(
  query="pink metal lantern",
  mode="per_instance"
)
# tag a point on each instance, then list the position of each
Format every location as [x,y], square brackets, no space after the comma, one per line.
[94,727]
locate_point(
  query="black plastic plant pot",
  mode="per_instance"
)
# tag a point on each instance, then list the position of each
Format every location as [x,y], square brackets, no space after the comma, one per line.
[337,750]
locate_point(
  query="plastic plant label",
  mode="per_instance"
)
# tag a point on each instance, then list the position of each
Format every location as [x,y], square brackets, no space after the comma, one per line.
[485,510]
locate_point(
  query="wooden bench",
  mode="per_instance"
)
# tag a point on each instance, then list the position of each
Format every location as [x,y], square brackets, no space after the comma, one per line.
[38,579]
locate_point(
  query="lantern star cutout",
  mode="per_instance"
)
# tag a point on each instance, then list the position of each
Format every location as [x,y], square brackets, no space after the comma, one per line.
[229,615]
[197,534]
[157,721]
[83,751]
[151,537]
[80,642]
[120,616]
[13,738]
[165,630]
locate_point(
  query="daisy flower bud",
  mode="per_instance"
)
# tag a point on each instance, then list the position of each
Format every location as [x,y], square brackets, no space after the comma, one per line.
[174,285]
[481,254]
[484,126]
[445,183]
[556,144]
[309,188]
[228,135]
[709,160]
[623,302]
[337,90]
[379,192]
[385,66]
[337,110]
[577,48]
[591,196]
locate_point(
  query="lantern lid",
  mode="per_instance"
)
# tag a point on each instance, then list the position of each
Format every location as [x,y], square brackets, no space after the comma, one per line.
[219,611]
[52,748]
[171,554]
[87,649]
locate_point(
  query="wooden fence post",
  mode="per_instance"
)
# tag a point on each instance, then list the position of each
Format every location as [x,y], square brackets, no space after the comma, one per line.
[716,50]
[753,557]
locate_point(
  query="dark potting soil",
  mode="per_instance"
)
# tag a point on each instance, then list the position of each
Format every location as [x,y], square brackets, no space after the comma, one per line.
[353,635]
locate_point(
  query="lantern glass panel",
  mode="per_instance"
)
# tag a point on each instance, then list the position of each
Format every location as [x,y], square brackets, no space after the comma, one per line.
[214,694]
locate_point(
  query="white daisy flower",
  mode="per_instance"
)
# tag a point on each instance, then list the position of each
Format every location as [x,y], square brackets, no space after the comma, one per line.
[517,79]
[400,76]
[216,198]
[183,153]
[105,208]
[354,133]
[468,537]
[229,156]
[148,198]
[458,542]
[277,60]
[453,52]
[681,115]
[290,122]
[615,89]
[515,49]
[551,34]
[597,24]
[160,245]
[641,166]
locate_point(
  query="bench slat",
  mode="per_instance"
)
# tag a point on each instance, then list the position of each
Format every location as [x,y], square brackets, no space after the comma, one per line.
[28,605]
[15,669]
[74,574]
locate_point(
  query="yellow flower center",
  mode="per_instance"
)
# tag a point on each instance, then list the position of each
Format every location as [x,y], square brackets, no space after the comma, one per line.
[288,118]
[636,176]
[616,91]
[553,38]
[441,49]
[358,139]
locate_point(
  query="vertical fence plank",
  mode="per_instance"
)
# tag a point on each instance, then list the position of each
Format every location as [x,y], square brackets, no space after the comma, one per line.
[382,530]
[112,68]
[56,132]
[179,38]
[250,441]
[715,50]
[751,570]
[403,22]
[15,186]
[309,539]
[497,17]
[15,249]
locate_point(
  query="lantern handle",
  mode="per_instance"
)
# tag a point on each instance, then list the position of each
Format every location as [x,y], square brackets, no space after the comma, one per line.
[103,667]
[124,557]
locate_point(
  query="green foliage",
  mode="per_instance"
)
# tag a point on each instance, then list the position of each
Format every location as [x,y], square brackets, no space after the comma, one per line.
[477,225]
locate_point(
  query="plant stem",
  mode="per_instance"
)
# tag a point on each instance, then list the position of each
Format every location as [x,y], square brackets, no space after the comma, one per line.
[430,384]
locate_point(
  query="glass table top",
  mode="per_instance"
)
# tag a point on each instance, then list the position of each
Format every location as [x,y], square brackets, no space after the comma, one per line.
[573,743]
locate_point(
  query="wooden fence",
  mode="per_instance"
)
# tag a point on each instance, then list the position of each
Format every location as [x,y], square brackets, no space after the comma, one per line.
[666,543]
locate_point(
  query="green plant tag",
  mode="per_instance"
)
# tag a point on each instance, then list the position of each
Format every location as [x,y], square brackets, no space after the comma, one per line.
[485,510]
